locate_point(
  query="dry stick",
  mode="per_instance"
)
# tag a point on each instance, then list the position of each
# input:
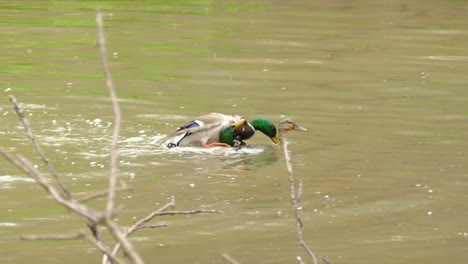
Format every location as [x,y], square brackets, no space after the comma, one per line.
[160,212]
[138,224]
[20,111]
[151,226]
[101,194]
[53,237]
[91,217]
[80,234]
[104,249]
[229,259]
[117,116]
[28,168]
[295,200]
[149,217]
[121,237]
[299,259]
[191,212]
[77,235]
[114,229]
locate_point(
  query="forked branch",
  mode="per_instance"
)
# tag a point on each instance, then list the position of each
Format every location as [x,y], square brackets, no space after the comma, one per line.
[295,198]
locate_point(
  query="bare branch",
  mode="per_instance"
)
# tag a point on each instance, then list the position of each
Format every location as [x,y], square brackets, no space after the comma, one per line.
[121,237]
[151,226]
[160,212]
[40,179]
[93,218]
[102,193]
[139,225]
[299,259]
[20,111]
[114,229]
[229,259]
[191,212]
[98,244]
[117,116]
[78,235]
[295,200]
[149,217]
[53,237]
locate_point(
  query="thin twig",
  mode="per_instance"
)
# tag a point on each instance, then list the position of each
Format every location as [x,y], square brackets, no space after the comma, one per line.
[40,179]
[52,237]
[149,217]
[114,229]
[191,212]
[295,200]
[229,259]
[20,111]
[138,225]
[27,167]
[98,244]
[299,259]
[117,116]
[121,237]
[65,198]
[96,238]
[80,234]
[73,236]
[151,226]
[100,194]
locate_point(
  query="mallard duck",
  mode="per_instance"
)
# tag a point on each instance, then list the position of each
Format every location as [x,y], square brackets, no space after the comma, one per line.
[217,129]
[288,125]
[247,129]
[213,129]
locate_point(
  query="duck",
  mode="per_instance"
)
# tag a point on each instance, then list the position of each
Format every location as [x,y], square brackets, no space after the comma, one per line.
[219,130]
[213,129]
[247,129]
[287,125]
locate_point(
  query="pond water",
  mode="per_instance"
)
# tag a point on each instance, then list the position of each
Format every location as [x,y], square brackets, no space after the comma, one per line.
[381,85]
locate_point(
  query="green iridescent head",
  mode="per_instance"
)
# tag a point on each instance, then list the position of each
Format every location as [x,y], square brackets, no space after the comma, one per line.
[266,127]
[226,135]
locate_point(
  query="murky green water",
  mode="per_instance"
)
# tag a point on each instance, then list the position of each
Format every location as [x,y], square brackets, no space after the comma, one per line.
[381,85]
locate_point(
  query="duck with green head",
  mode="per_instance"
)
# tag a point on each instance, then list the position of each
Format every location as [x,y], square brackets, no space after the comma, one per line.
[226,131]
[247,129]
